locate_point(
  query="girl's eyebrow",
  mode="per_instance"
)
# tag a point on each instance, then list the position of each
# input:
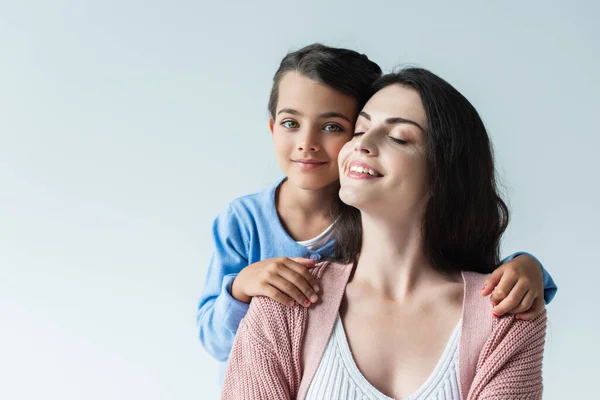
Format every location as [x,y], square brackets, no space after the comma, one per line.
[394,120]
[333,114]
[330,114]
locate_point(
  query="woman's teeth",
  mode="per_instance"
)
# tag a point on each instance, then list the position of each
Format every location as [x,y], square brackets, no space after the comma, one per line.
[362,170]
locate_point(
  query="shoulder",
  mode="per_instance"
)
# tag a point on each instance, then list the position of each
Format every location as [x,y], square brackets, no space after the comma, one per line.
[268,315]
[475,303]
[474,280]
[262,198]
[510,332]
[332,273]
[251,199]
[505,335]
[247,210]
[253,208]
[328,270]
[273,322]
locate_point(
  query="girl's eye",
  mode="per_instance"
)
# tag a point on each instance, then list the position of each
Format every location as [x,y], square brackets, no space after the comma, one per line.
[399,141]
[332,128]
[289,124]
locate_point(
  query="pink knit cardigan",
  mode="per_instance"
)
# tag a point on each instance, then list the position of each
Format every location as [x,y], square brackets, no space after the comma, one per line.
[277,349]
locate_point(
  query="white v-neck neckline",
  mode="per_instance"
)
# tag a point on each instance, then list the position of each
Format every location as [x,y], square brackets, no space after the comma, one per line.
[441,367]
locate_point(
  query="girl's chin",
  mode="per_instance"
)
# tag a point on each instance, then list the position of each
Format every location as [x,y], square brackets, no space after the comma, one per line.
[312,182]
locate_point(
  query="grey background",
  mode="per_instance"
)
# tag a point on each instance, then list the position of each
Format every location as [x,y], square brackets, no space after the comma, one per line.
[125,126]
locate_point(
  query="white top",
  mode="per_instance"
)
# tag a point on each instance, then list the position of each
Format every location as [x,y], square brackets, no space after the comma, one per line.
[338,377]
[318,241]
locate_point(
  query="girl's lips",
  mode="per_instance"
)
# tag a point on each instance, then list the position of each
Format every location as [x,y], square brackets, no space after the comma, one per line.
[308,164]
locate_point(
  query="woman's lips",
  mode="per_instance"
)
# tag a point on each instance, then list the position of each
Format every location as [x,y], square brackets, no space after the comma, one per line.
[361,170]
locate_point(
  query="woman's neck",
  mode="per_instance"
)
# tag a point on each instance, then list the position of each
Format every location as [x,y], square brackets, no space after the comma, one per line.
[392,260]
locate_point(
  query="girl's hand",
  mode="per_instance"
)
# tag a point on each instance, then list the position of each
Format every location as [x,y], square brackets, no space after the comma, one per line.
[282,279]
[516,287]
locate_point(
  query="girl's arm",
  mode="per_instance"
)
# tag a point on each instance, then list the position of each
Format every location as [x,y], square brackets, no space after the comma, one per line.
[219,314]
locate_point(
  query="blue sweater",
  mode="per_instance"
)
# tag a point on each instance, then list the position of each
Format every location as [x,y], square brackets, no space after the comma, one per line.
[248,231]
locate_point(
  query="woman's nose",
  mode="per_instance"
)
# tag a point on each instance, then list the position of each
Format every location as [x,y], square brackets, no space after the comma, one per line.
[364,144]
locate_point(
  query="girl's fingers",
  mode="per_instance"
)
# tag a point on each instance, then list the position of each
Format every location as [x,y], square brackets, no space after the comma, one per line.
[288,289]
[534,311]
[492,281]
[504,287]
[512,300]
[526,303]
[299,283]
[277,295]
[303,271]
[307,262]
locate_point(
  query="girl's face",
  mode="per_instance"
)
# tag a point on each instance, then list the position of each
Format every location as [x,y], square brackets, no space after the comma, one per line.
[312,123]
[383,169]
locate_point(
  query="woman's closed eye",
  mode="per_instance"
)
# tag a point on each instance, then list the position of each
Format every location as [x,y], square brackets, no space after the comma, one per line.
[393,139]
[398,141]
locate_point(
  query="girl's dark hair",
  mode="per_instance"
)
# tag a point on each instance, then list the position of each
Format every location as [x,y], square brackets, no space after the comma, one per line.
[344,70]
[465,216]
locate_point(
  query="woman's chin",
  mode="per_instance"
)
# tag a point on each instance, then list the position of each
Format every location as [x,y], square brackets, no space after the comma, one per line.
[352,197]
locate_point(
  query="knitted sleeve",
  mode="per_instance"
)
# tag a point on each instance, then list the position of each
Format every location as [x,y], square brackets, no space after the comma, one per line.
[265,359]
[510,364]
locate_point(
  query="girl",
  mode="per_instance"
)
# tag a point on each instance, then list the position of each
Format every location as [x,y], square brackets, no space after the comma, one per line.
[266,243]
[401,314]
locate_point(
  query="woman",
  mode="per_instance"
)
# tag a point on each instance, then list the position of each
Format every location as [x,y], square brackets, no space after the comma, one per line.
[415,245]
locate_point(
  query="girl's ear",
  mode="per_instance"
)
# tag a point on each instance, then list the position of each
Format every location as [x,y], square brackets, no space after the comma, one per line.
[271,124]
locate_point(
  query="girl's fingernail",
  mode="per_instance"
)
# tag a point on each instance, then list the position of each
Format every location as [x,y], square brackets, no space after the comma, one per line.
[495,315]
[317,288]
[314,298]
[306,303]
[519,318]
[483,288]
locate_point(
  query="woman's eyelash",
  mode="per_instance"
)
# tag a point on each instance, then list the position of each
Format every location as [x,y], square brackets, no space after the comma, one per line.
[399,141]
[395,140]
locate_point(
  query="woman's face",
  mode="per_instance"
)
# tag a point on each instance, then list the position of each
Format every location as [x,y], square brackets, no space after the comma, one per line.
[383,169]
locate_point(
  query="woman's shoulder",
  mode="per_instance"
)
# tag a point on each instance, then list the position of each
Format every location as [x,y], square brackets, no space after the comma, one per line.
[331,270]
[271,312]
[328,273]
[271,323]
[473,302]
[479,322]
[474,280]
